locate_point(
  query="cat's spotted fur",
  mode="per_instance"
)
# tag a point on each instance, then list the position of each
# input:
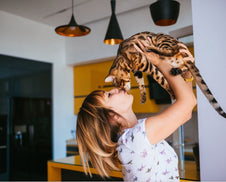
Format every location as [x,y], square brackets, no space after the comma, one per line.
[129,59]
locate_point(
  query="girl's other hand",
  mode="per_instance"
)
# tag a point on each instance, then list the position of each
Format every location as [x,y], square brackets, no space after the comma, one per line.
[184,50]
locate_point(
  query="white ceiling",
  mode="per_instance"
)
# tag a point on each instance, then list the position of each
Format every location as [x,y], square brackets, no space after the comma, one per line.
[58,12]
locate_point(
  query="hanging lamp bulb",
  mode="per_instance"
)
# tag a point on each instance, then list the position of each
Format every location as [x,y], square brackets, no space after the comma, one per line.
[72,29]
[165,12]
[113,35]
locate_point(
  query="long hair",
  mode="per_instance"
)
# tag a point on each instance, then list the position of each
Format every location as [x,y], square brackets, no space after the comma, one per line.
[96,135]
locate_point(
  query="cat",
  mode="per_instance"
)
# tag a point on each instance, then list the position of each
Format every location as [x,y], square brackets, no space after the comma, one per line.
[128,60]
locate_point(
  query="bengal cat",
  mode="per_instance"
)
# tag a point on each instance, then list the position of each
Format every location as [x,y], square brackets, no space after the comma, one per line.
[128,60]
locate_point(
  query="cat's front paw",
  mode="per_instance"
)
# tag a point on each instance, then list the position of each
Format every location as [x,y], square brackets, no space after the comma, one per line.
[143,98]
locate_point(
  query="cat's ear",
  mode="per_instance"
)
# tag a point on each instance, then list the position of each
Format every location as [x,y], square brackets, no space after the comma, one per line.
[109,78]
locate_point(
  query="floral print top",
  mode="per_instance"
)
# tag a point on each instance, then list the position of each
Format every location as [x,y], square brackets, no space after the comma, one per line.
[142,161]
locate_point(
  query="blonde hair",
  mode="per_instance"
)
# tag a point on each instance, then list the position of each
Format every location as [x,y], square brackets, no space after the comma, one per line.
[96,135]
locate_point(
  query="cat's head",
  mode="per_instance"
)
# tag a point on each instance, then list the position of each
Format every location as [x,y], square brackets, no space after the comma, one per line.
[119,79]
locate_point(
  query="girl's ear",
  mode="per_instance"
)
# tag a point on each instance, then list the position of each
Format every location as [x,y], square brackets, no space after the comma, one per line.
[109,78]
[114,118]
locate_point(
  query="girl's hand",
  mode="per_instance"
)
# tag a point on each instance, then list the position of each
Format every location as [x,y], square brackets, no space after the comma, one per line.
[151,56]
[187,56]
[184,51]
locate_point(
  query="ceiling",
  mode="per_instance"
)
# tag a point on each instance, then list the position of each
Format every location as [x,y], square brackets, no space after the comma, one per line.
[58,12]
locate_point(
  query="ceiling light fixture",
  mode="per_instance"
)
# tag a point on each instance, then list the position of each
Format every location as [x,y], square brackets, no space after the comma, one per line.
[113,35]
[165,12]
[72,29]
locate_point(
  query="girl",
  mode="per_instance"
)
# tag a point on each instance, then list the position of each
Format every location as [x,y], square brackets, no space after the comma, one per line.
[108,132]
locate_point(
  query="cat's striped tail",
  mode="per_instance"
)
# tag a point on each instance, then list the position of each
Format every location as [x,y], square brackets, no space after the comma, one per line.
[204,88]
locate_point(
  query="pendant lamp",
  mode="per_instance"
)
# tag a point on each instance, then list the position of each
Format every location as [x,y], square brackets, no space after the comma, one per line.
[165,12]
[72,29]
[113,35]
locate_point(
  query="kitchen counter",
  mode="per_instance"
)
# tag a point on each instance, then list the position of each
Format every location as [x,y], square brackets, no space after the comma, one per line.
[73,163]
[70,163]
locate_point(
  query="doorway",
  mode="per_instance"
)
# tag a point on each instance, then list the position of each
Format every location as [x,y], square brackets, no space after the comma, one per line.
[25,118]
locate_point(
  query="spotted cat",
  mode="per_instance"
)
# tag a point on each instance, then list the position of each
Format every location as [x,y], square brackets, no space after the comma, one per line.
[128,60]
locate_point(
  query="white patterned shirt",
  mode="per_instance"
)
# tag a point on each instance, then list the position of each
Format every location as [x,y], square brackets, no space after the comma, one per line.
[142,161]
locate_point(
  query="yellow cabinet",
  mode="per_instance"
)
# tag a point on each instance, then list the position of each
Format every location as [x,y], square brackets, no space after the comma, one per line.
[91,77]
[88,78]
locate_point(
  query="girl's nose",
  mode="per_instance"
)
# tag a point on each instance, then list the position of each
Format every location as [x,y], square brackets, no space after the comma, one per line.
[114,90]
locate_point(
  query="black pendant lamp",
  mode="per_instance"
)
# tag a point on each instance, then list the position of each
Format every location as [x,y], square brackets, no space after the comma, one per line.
[113,35]
[165,12]
[72,29]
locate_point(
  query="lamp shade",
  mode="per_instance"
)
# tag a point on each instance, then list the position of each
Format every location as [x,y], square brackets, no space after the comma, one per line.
[72,29]
[113,35]
[165,12]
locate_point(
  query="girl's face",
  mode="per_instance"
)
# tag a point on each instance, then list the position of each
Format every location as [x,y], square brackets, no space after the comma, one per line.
[118,100]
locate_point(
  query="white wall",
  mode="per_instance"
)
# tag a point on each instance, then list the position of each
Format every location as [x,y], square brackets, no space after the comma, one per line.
[23,38]
[91,47]
[209,26]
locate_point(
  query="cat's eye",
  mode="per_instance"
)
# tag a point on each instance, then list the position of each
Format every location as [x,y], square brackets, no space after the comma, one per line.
[109,94]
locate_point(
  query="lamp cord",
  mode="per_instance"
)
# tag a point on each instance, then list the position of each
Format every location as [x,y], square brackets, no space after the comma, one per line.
[72,7]
[113,6]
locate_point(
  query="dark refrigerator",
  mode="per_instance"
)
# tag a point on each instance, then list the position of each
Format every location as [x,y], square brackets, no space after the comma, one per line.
[31,138]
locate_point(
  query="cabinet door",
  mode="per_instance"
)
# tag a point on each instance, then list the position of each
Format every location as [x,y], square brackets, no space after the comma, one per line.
[88,78]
